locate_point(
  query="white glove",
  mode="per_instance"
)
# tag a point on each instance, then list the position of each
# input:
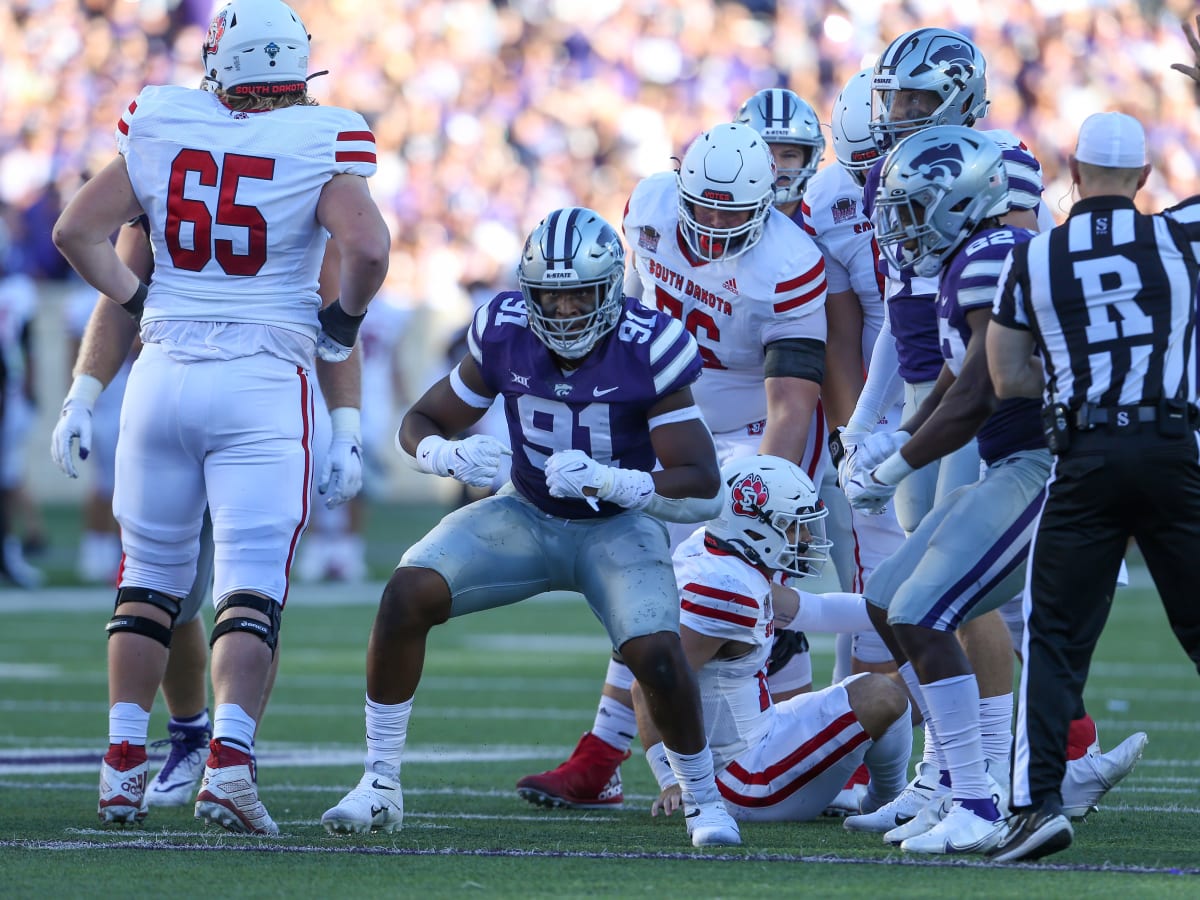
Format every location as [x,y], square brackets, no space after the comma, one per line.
[330,350]
[74,422]
[339,331]
[879,445]
[849,441]
[342,476]
[568,472]
[474,460]
[865,493]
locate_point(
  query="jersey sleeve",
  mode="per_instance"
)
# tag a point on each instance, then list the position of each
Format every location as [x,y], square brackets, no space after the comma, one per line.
[125,124]
[478,335]
[674,358]
[354,146]
[799,299]
[1009,308]
[719,607]
[1023,170]
[976,283]
[1187,215]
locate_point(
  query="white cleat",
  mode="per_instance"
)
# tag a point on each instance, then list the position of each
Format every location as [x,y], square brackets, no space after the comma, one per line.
[924,787]
[1090,777]
[711,825]
[122,789]
[229,795]
[961,831]
[931,814]
[375,804]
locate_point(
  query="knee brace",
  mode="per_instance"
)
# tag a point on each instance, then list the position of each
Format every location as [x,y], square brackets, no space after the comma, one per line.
[140,624]
[267,632]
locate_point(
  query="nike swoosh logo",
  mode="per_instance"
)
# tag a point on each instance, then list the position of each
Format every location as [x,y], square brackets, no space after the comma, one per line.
[695,812]
[381,787]
[596,392]
[376,810]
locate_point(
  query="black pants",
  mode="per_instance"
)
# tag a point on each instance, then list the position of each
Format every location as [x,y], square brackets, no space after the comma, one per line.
[1104,490]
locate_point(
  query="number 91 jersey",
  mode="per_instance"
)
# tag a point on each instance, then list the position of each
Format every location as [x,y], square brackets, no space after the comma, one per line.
[773,291]
[600,407]
[235,194]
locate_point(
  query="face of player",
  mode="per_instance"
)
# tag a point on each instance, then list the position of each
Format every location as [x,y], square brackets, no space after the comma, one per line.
[567,304]
[789,160]
[720,218]
[912,105]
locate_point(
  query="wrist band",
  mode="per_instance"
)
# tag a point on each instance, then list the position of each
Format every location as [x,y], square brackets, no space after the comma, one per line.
[136,304]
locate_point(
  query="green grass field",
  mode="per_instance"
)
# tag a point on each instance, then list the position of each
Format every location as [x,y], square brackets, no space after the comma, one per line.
[507,693]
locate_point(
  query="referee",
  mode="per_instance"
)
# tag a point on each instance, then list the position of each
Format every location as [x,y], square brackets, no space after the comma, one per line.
[1106,302]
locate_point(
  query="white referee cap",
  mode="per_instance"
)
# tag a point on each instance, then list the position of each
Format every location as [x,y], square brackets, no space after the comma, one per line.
[1112,140]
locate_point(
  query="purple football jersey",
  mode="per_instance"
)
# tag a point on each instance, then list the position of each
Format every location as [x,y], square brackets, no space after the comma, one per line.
[600,407]
[969,283]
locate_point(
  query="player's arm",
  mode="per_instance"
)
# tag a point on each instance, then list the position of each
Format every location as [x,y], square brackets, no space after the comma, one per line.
[341,382]
[82,233]
[844,369]
[965,405]
[1015,370]
[794,370]
[685,450]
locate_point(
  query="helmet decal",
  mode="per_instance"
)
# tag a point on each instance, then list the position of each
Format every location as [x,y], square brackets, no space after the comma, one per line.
[216,31]
[750,495]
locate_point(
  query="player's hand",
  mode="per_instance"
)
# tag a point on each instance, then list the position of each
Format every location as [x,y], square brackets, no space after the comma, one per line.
[75,423]
[572,473]
[342,475]
[668,801]
[1192,71]
[474,460]
[339,331]
[842,445]
[878,446]
[867,493]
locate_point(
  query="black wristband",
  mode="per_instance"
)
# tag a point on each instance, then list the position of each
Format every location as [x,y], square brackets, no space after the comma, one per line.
[339,324]
[837,450]
[136,304]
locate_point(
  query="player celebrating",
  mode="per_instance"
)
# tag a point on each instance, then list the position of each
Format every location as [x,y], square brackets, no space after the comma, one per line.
[596,390]
[218,409]
[712,252]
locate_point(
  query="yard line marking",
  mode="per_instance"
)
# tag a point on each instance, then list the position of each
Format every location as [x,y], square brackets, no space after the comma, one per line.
[266,845]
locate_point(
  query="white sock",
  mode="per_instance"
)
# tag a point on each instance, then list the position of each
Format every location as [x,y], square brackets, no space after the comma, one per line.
[995,729]
[694,772]
[128,722]
[954,709]
[887,760]
[931,754]
[232,723]
[615,723]
[387,732]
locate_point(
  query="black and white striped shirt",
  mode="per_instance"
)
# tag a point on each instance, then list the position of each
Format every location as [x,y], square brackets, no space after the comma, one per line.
[1110,296]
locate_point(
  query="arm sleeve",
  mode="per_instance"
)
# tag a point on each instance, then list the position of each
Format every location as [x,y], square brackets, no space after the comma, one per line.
[883,387]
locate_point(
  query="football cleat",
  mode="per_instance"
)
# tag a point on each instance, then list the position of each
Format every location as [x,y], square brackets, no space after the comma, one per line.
[123,774]
[175,783]
[961,831]
[228,794]
[589,779]
[924,787]
[375,804]
[1090,777]
[930,815]
[1034,834]
[711,825]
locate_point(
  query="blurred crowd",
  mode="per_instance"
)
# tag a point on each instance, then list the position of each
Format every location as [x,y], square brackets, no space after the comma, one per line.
[487,113]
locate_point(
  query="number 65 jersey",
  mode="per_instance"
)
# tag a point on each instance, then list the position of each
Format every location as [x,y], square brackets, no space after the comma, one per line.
[235,194]
[773,291]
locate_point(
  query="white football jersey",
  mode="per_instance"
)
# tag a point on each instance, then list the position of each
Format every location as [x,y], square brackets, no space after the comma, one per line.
[834,219]
[231,199]
[723,597]
[773,291]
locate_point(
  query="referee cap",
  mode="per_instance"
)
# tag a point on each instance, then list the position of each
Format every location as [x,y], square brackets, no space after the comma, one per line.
[1112,140]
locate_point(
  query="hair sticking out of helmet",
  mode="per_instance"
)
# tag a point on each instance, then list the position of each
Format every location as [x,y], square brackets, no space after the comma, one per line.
[256,47]
[571,272]
[944,67]
[853,144]
[936,187]
[726,185]
[781,117]
[772,516]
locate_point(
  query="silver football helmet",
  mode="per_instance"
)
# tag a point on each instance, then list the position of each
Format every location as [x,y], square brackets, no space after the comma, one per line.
[772,516]
[256,42]
[728,169]
[781,117]
[936,187]
[573,249]
[937,60]
[851,126]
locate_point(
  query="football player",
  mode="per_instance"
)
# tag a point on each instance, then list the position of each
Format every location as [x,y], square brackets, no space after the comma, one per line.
[218,408]
[597,394]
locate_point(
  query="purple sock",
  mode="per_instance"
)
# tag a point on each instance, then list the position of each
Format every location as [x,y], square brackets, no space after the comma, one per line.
[985,808]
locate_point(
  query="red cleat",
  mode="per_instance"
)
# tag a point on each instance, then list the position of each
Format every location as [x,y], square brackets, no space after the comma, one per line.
[589,779]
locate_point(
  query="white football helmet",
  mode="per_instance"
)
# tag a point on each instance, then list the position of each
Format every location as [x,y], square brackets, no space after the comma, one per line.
[256,42]
[936,187]
[781,117]
[938,60]
[728,168]
[772,516]
[851,126]
[573,248]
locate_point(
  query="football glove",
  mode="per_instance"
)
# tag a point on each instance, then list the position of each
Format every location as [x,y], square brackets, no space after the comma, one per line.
[339,331]
[75,423]
[342,475]
[867,494]
[568,472]
[474,460]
